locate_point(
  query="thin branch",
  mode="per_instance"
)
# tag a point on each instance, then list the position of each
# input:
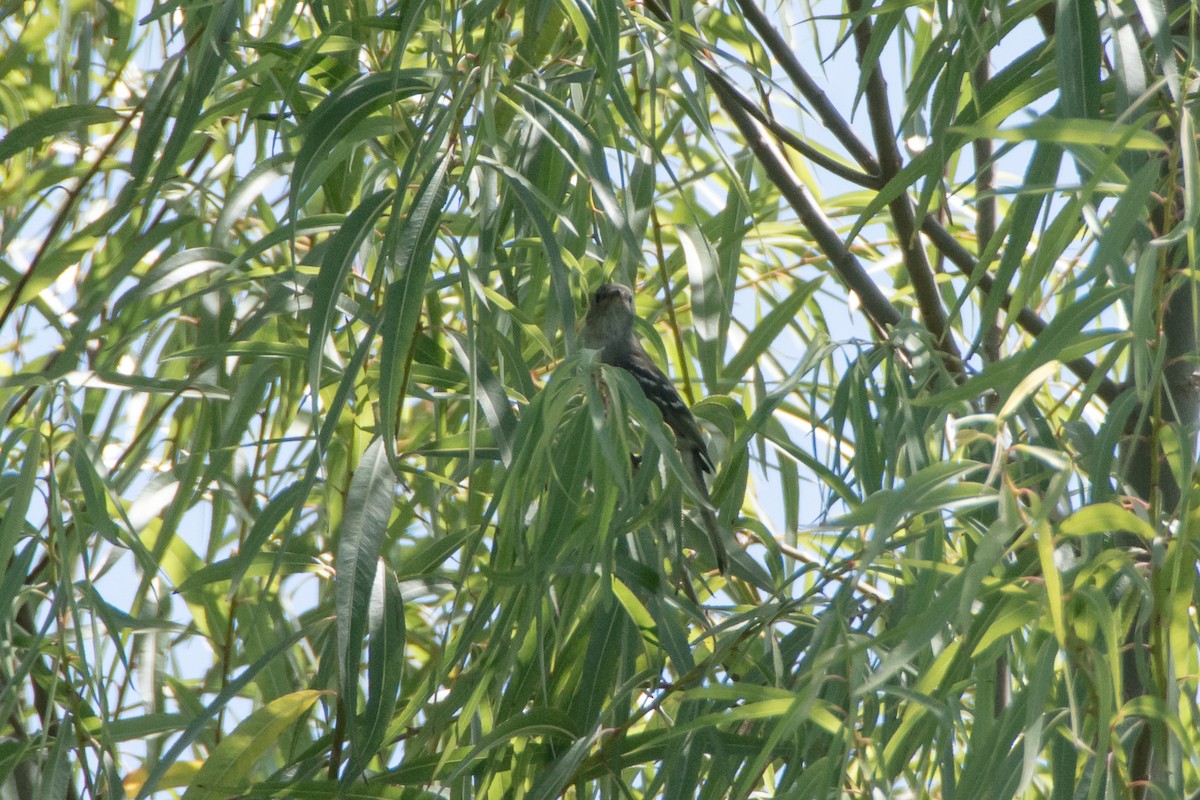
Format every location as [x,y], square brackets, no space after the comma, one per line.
[796,143]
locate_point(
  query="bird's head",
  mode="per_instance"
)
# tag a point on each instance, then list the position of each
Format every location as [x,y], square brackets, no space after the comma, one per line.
[609,317]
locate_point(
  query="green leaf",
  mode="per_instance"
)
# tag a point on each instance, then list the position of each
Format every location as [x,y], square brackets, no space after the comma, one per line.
[201,720]
[385,671]
[708,306]
[764,333]
[405,297]
[229,766]
[1077,52]
[359,545]
[330,285]
[334,117]
[52,122]
[1068,132]
[1106,518]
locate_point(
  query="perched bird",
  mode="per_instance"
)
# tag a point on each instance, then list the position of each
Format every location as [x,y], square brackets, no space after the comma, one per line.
[609,329]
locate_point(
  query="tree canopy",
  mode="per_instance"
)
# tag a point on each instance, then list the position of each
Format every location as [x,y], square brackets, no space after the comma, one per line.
[309,488]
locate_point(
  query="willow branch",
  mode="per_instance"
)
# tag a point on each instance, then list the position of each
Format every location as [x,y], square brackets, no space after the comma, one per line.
[916,263]
[849,269]
[1030,322]
[833,121]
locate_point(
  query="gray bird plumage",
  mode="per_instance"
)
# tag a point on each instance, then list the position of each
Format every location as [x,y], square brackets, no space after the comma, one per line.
[609,329]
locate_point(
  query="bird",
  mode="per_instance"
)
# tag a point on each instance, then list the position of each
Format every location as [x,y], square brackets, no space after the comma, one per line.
[609,329]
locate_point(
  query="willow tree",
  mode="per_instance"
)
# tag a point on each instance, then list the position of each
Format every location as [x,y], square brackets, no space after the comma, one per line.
[310,487]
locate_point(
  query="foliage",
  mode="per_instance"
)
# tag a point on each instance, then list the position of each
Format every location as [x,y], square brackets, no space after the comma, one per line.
[310,490]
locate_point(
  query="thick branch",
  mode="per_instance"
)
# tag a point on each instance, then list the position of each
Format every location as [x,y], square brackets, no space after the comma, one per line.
[920,272]
[809,90]
[985,205]
[1030,322]
[879,309]
[853,275]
